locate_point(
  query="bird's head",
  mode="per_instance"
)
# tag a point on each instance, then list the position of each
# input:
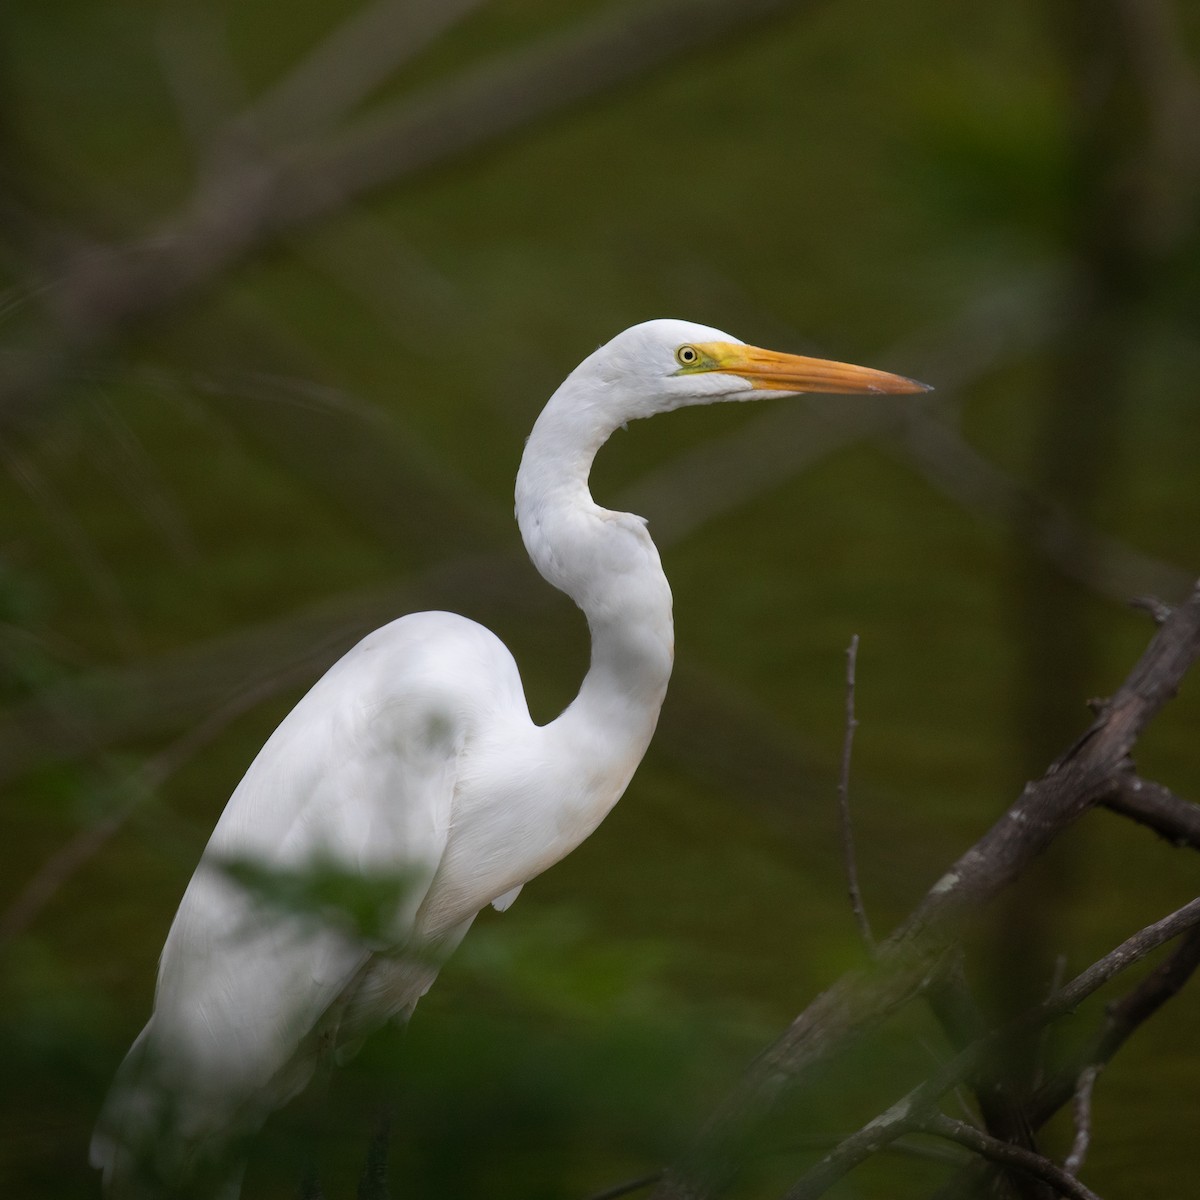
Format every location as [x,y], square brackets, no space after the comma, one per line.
[666,364]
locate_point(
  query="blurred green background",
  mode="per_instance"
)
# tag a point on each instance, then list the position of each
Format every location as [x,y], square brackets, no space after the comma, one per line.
[214,484]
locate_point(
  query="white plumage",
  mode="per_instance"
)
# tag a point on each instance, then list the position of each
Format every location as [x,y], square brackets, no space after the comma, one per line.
[413,763]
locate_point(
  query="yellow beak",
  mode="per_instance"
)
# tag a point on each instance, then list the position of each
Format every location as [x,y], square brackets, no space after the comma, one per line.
[777,372]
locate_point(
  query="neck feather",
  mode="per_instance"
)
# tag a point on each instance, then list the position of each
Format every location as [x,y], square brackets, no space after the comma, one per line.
[606,562]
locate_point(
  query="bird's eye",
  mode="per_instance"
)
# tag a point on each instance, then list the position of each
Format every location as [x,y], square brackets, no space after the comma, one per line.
[687,356]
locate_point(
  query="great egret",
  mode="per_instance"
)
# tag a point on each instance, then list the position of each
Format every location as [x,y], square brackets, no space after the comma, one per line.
[415,757]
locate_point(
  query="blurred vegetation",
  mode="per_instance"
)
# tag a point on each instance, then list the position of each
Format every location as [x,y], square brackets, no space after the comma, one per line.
[207,499]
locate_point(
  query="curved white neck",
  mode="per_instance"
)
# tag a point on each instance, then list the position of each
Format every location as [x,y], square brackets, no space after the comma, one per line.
[606,562]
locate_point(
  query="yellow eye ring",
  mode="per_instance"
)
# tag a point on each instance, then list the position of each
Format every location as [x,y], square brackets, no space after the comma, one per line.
[687,356]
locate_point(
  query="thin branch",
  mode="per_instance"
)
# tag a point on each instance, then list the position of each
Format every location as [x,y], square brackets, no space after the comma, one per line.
[1083,1118]
[1122,1019]
[1002,1110]
[908,1113]
[772,447]
[1057,974]
[1007,1155]
[1152,606]
[1133,1010]
[1158,808]
[768,448]
[845,828]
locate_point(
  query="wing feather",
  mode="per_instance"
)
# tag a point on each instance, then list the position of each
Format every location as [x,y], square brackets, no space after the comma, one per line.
[314,874]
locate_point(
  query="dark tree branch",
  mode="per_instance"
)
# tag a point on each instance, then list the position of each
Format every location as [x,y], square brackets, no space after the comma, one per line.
[915,954]
[1083,1118]
[1123,1018]
[1152,606]
[1006,1155]
[1158,808]
[1004,1116]
[1133,1010]
[910,1113]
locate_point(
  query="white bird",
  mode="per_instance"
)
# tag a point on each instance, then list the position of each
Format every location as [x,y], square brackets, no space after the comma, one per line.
[415,759]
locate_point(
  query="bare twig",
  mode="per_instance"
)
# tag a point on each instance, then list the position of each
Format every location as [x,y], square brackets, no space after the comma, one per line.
[1123,1018]
[720,475]
[182,687]
[1000,1105]
[1057,974]
[909,1113]
[1133,1010]
[845,828]
[1007,1155]
[1153,606]
[1083,1118]
[1158,808]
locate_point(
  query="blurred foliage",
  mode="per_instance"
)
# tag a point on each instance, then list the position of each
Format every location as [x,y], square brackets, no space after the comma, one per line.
[215,503]
[325,892]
